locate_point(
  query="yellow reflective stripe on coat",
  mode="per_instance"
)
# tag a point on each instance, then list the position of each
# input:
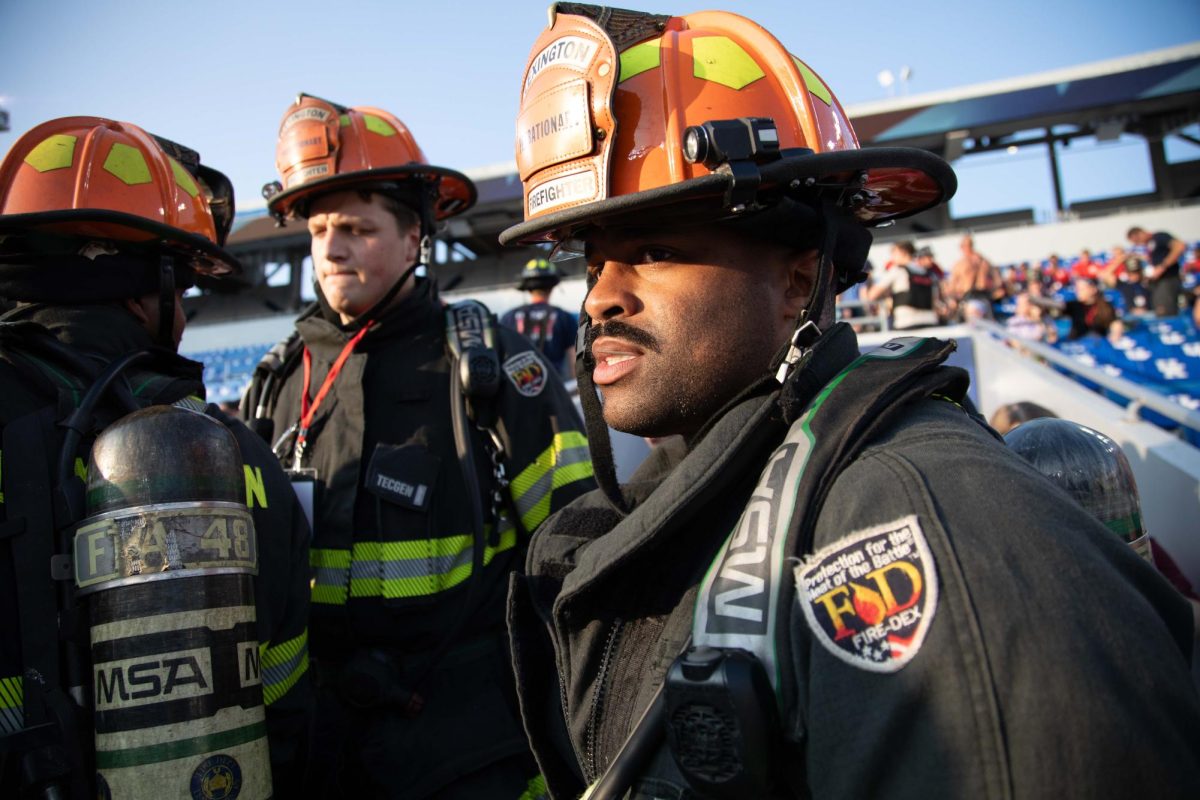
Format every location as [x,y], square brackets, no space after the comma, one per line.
[282,665]
[565,461]
[413,568]
[12,704]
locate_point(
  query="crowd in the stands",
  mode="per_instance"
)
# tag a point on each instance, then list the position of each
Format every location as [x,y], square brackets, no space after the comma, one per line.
[1102,293]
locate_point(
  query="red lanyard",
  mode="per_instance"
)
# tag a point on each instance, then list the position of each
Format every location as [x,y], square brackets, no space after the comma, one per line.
[308,408]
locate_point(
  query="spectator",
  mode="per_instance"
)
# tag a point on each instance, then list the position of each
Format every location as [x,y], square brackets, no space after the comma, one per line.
[1008,417]
[1115,269]
[1027,323]
[914,290]
[1164,252]
[1085,267]
[1058,275]
[926,262]
[973,278]
[1133,289]
[1022,274]
[1089,312]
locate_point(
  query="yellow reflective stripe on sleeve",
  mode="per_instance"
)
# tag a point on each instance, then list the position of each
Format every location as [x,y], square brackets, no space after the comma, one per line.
[12,704]
[566,460]
[283,665]
[414,568]
[536,790]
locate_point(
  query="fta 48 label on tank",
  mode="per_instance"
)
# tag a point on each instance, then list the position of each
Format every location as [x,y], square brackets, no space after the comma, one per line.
[153,540]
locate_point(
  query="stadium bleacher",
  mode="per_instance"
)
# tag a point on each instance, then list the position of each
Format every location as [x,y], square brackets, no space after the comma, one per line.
[227,371]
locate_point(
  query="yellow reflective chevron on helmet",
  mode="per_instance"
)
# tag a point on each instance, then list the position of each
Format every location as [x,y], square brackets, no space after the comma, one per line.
[53,152]
[719,59]
[376,125]
[812,82]
[639,58]
[184,179]
[127,164]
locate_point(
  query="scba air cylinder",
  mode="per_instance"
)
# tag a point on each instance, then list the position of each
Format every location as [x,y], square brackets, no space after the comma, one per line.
[165,563]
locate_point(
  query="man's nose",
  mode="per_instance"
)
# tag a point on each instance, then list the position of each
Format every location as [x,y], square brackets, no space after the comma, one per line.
[613,294]
[336,245]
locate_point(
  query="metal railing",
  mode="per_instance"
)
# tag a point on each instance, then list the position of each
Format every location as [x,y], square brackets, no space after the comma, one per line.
[1139,396]
[875,313]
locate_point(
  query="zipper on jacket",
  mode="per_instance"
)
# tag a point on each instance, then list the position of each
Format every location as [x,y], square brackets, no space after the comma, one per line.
[602,679]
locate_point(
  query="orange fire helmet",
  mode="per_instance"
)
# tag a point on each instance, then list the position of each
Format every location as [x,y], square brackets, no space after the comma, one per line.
[706,116]
[324,147]
[93,178]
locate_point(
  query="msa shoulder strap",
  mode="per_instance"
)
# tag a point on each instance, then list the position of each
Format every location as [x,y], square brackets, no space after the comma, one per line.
[471,339]
[258,402]
[745,600]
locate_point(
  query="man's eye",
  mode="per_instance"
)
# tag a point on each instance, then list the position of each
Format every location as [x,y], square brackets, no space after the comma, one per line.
[315,231]
[594,271]
[654,254]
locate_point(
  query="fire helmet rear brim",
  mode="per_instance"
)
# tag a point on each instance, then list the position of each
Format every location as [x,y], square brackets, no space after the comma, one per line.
[203,255]
[900,182]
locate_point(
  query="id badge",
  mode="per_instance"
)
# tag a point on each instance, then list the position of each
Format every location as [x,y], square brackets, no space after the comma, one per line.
[304,484]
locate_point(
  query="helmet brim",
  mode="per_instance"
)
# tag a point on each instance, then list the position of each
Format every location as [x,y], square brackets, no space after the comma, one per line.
[205,257]
[456,192]
[900,182]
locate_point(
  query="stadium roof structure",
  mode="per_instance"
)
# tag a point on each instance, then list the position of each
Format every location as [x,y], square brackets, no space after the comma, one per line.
[1151,94]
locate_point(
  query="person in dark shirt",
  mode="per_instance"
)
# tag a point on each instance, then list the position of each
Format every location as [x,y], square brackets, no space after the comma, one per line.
[1133,289]
[1089,312]
[550,328]
[1163,251]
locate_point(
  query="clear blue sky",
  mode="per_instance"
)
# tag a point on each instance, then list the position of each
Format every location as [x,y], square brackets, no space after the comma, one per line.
[217,75]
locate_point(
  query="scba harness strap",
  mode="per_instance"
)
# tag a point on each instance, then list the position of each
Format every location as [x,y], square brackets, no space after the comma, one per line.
[746,599]
[42,501]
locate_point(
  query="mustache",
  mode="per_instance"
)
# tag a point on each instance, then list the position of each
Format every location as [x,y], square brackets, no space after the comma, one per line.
[622,330]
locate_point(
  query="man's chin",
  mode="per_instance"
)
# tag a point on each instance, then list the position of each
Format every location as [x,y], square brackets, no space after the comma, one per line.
[637,421]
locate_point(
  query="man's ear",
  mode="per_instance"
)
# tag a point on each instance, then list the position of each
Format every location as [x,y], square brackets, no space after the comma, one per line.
[134,306]
[414,240]
[800,279]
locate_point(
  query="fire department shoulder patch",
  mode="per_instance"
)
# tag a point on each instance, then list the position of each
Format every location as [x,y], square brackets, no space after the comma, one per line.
[527,373]
[870,597]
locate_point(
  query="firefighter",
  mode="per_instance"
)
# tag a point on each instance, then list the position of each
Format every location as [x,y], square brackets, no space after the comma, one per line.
[102,227]
[436,442]
[838,582]
[550,328]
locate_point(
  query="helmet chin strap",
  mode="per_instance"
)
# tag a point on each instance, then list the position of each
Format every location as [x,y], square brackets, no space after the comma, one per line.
[166,301]
[807,331]
[599,443]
